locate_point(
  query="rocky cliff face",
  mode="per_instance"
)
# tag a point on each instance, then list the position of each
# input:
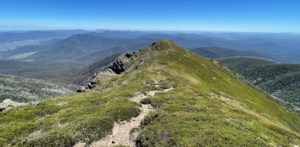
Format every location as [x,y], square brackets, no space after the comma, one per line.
[116,67]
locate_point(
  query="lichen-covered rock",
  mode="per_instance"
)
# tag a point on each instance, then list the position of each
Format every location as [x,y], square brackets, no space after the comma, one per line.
[7,103]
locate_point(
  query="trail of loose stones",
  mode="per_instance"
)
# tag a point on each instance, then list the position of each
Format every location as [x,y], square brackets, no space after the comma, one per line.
[121,131]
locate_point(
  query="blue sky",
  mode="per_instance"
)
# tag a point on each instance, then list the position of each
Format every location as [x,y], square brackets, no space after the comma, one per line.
[159,15]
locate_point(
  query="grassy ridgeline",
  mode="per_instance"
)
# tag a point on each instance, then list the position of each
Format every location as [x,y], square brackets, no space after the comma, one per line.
[207,107]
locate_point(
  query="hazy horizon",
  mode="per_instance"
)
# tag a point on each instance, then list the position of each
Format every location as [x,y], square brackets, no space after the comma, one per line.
[270,16]
[151,31]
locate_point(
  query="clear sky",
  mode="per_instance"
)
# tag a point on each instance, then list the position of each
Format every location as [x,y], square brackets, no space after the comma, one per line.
[166,15]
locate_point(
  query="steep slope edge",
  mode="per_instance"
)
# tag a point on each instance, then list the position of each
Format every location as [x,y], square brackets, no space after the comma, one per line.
[280,80]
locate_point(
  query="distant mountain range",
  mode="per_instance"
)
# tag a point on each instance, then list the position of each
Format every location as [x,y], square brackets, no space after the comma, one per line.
[91,46]
[80,46]
[33,35]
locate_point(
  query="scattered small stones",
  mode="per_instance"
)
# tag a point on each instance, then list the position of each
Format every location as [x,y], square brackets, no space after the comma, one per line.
[62,103]
[137,67]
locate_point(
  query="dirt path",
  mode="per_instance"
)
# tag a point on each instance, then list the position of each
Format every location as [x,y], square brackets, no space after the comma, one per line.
[121,131]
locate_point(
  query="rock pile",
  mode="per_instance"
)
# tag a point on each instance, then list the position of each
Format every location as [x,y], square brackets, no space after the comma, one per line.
[91,85]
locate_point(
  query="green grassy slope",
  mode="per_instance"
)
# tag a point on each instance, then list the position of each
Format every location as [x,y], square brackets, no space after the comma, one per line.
[280,80]
[207,107]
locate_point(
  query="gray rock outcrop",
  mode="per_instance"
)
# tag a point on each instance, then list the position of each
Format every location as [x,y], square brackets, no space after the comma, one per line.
[81,89]
[118,66]
[94,81]
[128,55]
[91,86]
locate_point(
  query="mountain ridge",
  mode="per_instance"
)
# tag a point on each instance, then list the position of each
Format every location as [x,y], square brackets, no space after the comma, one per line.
[207,106]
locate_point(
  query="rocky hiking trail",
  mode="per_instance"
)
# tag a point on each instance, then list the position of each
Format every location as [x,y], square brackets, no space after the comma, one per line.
[121,131]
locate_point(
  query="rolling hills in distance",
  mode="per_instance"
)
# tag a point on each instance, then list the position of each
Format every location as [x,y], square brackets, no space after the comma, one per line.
[281,80]
[194,101]
[96,45]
